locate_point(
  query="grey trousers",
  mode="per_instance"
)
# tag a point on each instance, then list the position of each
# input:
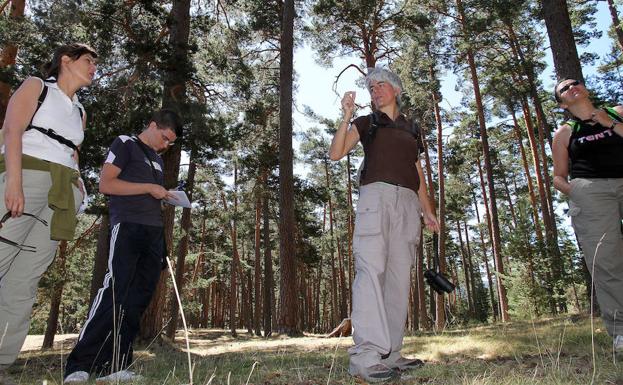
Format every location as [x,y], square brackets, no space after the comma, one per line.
[20,271]
[596,208]
[387,229]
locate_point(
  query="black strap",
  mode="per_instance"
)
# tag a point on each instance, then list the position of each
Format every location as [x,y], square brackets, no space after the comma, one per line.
[153,169]
[52,134]
[48,131]
[374,126]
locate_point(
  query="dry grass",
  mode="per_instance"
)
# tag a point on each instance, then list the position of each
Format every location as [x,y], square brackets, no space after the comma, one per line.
[552,351]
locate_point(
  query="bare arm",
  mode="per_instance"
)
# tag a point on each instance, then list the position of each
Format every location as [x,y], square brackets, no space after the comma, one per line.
[110,184]
[430,218]
[20,110]
[560,154]
[345,139]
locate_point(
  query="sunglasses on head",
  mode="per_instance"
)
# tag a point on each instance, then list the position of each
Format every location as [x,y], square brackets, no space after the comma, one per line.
[564,89]
[23,247]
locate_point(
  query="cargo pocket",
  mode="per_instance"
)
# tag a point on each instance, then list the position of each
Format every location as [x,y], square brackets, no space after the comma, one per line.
[368,219]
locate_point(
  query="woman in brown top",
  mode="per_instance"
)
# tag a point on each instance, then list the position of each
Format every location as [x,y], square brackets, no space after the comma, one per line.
[392,200]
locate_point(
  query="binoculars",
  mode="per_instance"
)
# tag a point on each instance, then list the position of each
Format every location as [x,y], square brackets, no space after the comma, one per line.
[438,282]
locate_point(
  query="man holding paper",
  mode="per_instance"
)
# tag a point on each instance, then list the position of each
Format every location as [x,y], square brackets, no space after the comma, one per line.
[132,177]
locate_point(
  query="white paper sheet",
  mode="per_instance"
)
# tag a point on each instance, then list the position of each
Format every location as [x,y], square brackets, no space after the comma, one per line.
[178,198]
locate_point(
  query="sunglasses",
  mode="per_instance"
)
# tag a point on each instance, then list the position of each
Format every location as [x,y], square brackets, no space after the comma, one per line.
[22,247]
[566,87]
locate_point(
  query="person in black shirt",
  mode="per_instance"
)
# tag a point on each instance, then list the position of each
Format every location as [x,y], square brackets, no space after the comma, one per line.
[589,149]
[132,176]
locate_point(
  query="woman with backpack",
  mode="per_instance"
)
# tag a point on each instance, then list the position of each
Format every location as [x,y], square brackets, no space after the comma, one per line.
[40,185]
[588,148]
[393,204]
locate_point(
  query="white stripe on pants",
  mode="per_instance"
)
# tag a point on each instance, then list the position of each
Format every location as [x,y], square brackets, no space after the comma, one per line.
[20,271]
[387,229]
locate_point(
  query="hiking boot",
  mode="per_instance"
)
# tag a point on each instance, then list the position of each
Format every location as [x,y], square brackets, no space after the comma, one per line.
[617,344]
[403,364]
[120,376]
[4,378]
[76,378]
[376,373]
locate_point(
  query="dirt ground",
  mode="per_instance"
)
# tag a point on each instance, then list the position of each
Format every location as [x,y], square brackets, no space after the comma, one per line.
[208,342]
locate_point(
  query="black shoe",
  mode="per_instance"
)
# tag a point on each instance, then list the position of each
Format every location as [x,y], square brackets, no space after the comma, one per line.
[403,364]
[379,373]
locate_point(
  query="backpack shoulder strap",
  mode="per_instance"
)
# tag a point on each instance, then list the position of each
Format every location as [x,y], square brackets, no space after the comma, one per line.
[374,125]
[40,100]
[613,114]
[574,124]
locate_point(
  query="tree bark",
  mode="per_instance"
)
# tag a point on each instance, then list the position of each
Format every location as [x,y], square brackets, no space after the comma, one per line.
[182,249]
[616,23]
[561,40]
[268,263]
[174,97]
[497,245]
[288,317]
[100,264]
[57,294]
[258,260]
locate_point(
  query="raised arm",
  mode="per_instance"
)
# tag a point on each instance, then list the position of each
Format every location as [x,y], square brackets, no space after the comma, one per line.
[345,139]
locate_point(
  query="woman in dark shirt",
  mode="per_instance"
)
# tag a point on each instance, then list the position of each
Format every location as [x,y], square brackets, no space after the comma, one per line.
[589,149]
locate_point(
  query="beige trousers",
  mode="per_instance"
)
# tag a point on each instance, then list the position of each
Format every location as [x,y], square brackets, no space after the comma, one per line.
[596,210]
[20,271]
[387,229]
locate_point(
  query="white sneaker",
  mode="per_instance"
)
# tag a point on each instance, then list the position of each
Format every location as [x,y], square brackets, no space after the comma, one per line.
[76,377]
[120,376]
[617,344]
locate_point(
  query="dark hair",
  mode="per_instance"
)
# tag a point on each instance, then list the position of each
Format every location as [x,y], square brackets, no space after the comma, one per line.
[167,118]
[74,51]
[558,99]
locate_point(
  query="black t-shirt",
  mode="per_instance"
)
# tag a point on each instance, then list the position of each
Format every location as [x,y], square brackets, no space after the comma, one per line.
[126,154]
[595,151]
[392,155]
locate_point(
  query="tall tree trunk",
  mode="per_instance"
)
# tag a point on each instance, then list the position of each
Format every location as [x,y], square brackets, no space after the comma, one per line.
[57,294]
[545,207]
[174,97]
[351,225]
[473,273]
[616,23]
[258,260]
[100,265]
[8,53]
[268,264]
[182,249]
[235,260]
[288,317]
[424,321]
[561,40]
[440,313]
[497,245]
[524,161]
[466,270]
[485,259]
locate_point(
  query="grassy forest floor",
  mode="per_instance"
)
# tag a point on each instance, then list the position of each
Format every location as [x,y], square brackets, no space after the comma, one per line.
[551,351]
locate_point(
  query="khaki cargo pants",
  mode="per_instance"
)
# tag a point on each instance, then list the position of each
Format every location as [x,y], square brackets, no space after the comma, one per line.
[20,271]
[596,208]
[387,229]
